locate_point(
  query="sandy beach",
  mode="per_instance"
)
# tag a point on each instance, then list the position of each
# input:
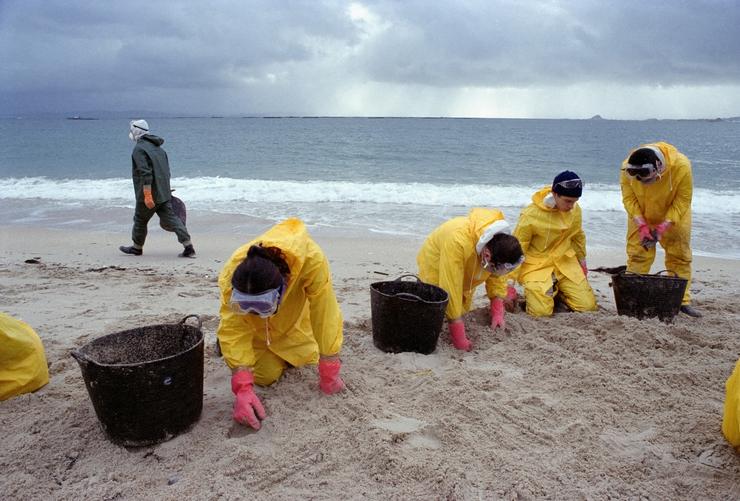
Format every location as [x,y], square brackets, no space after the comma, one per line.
[577,406]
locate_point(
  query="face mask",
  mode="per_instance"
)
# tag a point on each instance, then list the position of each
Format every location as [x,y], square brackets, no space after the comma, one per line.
[264,304]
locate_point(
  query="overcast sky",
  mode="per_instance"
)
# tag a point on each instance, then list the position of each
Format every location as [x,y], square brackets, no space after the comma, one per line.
[479,58]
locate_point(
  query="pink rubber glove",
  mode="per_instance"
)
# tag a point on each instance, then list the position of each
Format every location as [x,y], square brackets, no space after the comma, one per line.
[512,296]
[662,228]
[644,231]
[584,267]
[497,313]
[329,380]
[247,407]
[457,334]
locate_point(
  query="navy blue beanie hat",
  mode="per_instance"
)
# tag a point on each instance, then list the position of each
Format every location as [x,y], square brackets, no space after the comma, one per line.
[567,184]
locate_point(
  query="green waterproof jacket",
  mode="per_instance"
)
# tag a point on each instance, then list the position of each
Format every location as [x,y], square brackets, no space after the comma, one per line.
[150,167]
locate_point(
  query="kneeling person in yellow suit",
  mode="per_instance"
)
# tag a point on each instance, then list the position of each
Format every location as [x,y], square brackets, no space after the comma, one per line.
[278,309]
[657,188]
[23,366]
[554,246]
[461,254]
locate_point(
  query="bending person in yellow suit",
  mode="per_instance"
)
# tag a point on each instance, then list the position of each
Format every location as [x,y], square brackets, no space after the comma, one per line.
[656,192]
[23,366]
[554,246]
[278,309]
[461,254]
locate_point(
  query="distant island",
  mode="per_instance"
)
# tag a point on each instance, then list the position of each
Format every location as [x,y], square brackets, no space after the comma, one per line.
[129,115]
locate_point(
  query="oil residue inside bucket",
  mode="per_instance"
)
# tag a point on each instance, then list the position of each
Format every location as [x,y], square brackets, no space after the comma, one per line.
[146,384]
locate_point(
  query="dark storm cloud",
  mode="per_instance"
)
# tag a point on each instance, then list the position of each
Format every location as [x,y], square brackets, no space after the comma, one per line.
[58,55]
[503,43]
[50,48]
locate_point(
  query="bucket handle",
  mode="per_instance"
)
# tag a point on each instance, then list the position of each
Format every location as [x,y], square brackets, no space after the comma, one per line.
[399,279]
[673,273]
[408,295]
[193,315]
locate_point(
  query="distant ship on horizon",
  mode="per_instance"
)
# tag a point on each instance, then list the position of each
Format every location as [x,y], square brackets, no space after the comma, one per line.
[78,117]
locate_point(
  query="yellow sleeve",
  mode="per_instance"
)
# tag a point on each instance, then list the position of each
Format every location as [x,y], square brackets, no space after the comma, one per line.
[235,336]
[579,239]
[496,285]
[326,317]
[629,199]
[684,191]
[451,270]
[523,232]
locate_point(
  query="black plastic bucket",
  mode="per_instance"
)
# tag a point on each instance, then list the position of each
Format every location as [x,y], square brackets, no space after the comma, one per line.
[648,296]
[407,316]
[146,384]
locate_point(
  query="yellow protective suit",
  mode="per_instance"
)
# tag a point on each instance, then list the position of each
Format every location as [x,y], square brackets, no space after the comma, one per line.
[22,360]
[669,198]
[308,321]
[448,259]
[731,415]
[554,243]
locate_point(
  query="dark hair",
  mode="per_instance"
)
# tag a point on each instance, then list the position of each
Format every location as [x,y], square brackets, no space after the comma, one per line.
[504,248]
[264,268]
[642,156]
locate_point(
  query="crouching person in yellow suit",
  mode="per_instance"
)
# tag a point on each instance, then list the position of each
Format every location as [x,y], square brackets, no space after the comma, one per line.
[731,415]
[278,309]
[22,360]
[554,246]
[461,254]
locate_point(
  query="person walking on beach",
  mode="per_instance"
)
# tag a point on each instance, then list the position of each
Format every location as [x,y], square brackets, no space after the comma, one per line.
[278,310]
[461,254]
[150,171]
[554,244]
[657,187]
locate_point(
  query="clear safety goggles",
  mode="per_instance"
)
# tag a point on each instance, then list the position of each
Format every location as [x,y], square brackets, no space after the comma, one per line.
[503,268]
[264,304]
[569,184]
[640,172]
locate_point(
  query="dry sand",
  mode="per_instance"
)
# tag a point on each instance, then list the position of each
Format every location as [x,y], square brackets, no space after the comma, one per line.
[577,406]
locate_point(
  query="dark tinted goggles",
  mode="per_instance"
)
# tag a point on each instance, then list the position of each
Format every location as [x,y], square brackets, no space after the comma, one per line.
[641,171]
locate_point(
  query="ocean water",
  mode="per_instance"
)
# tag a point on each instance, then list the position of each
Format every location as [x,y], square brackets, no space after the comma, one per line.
[359,175]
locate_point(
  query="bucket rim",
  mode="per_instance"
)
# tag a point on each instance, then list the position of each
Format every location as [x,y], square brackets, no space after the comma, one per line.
[659,275]
[374,289]
[88,359]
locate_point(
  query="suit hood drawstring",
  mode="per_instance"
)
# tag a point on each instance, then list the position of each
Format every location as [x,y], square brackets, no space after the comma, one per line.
[267,333]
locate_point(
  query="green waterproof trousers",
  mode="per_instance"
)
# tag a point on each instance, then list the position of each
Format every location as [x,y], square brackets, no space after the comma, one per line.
[167,218]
